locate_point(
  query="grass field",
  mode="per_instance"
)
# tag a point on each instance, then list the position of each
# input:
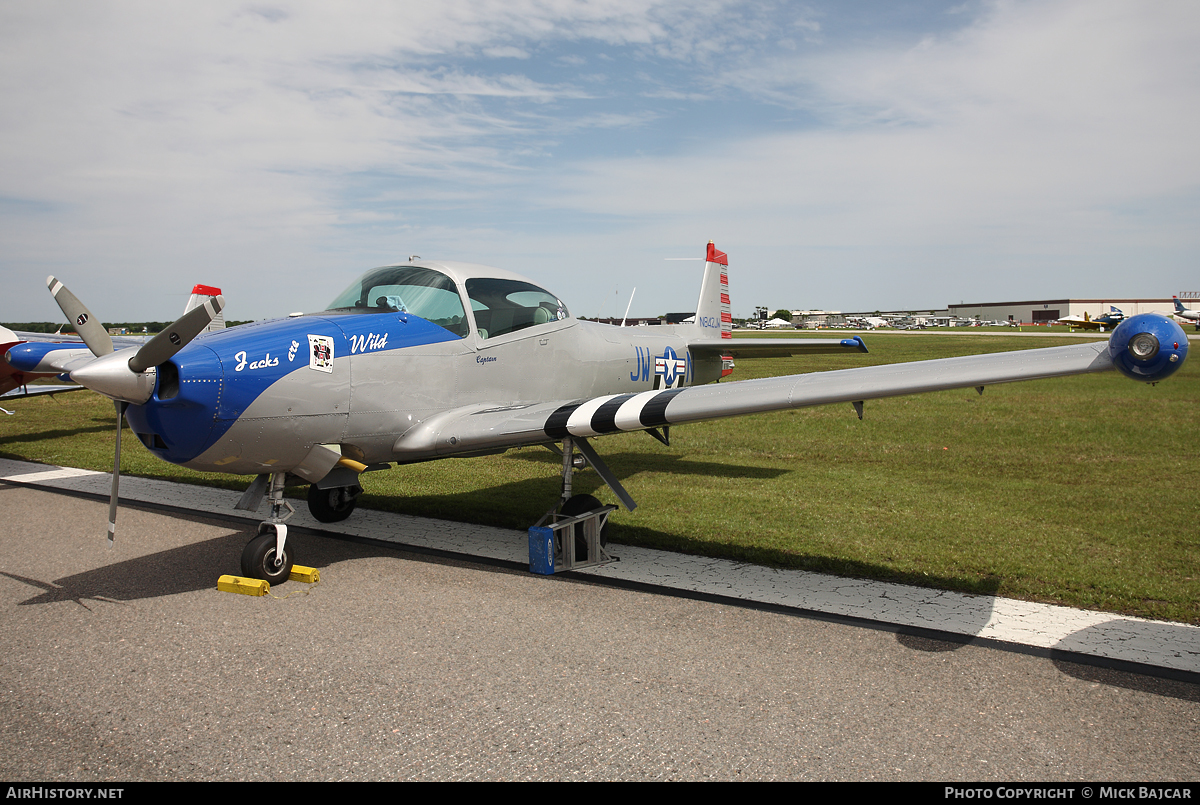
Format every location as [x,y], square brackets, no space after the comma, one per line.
[1082,491]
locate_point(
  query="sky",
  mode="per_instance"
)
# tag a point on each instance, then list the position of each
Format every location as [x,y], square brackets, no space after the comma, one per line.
[847,156]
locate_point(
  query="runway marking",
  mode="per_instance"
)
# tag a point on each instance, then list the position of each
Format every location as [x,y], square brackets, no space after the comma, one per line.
[1103,635]
[46,475]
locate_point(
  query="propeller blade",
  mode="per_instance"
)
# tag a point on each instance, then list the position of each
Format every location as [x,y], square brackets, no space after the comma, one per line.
[116,475]
[163,346]
[91,331]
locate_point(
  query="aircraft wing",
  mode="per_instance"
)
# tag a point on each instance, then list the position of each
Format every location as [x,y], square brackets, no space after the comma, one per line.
[34,391]
[119,341]
[776,347]
[481,428]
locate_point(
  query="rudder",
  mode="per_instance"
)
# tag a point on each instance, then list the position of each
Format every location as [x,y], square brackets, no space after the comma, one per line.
[713,316]
[200,295]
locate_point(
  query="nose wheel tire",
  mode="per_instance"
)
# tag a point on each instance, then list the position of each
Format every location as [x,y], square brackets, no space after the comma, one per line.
[259,560]
[332,505]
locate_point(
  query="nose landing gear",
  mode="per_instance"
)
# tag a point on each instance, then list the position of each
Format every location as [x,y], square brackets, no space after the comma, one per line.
[263,558]
[268,556]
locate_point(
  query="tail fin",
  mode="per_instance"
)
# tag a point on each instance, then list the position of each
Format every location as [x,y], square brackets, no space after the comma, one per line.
[712,310]
[200,295]
[1179,308]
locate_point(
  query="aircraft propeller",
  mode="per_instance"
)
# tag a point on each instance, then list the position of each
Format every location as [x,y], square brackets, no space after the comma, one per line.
[123,377]
[91,331]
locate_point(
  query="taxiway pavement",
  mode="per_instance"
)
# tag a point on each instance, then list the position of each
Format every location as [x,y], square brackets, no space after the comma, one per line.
[129,664]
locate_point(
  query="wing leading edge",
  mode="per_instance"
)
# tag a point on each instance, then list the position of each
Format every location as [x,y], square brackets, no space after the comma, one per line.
[481,427]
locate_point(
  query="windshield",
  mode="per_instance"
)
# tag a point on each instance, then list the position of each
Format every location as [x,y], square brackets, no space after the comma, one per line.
[504,306]
[420,291]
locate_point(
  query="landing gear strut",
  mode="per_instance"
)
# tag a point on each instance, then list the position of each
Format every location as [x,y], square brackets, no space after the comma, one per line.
[267,556]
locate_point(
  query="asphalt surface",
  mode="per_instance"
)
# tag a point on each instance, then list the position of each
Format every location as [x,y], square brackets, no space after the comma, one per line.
[130,665]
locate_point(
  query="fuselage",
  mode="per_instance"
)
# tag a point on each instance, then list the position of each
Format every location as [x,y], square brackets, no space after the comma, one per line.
[259,397]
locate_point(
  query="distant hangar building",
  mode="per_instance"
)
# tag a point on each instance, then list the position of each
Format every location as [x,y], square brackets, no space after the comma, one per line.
[1043,311]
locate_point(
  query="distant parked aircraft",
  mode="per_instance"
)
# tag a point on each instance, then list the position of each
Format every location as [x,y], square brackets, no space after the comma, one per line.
[1182,312]
[1103,323]
[14,383]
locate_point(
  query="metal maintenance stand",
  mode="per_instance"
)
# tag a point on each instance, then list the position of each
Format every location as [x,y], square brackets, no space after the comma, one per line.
[570,539]
[557,546]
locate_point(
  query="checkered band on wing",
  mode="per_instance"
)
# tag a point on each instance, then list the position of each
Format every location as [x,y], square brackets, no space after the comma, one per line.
[610,414]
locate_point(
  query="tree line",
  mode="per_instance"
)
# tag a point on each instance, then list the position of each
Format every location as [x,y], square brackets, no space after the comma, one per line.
[133,328]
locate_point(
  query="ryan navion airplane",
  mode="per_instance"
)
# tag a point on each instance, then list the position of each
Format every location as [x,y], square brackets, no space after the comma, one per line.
[430,359]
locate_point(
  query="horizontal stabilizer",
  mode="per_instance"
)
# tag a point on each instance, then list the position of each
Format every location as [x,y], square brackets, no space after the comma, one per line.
[777,347]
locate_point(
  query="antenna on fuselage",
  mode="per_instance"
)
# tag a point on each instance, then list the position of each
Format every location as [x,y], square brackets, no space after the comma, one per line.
[623,318]
[412,257]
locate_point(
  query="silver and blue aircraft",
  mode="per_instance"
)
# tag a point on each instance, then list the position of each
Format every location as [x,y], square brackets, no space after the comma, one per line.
[429,359]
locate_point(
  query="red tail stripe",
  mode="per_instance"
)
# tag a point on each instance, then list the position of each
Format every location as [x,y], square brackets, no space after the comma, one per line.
[715,256]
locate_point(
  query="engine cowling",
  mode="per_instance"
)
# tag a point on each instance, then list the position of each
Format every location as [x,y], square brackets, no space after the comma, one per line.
[1148,347]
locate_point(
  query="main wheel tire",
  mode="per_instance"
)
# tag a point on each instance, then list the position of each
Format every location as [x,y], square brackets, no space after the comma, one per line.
[578,504]
[258,559]
[332,505]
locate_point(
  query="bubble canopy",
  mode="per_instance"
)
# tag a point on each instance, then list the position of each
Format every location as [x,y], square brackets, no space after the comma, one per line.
[421,291]
[499,304]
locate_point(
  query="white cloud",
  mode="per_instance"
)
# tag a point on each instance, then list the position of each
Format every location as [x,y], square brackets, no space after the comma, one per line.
[1049,135]
[249,142]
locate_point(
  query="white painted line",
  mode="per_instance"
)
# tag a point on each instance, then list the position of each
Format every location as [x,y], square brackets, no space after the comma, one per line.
[1161,644]
[47,475]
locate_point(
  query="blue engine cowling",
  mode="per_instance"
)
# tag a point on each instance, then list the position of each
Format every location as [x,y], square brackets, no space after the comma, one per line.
[1148,347]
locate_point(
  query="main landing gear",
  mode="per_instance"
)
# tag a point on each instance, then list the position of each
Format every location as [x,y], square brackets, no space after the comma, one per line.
[333,505]
[582,504]
[575,533]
